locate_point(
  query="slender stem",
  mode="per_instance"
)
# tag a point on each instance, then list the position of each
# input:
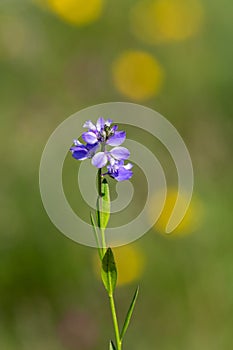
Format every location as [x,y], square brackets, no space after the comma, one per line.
[111,297]
[100,182]
[115,322]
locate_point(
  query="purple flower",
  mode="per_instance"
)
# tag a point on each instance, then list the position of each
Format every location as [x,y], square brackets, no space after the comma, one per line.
[100,159]
[98,138]
[81,152]
[119,171]
[102,132]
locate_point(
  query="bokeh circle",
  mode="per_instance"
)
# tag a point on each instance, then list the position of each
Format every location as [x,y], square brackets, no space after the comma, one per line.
[55,152]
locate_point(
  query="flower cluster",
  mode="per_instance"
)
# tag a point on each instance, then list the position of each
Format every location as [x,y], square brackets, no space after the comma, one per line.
[98,138]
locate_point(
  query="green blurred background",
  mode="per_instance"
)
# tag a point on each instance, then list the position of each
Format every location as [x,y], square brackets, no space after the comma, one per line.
[57,57]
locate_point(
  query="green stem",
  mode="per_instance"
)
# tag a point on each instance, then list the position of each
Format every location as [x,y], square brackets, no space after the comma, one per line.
[100,182]
[115,322]
[111,297]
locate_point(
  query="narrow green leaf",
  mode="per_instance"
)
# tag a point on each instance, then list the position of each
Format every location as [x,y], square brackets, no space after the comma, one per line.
[103,206]
[111,345]
[129,314]
[96,235]
[109,271]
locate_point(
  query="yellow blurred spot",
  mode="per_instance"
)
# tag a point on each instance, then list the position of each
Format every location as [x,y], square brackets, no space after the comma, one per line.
[130,263]
[137,75]
[190,221]
[79,12]
[155,21]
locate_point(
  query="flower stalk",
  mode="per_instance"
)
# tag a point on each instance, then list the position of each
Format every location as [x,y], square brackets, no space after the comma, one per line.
[115,322]
[109,271]
[98,138]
